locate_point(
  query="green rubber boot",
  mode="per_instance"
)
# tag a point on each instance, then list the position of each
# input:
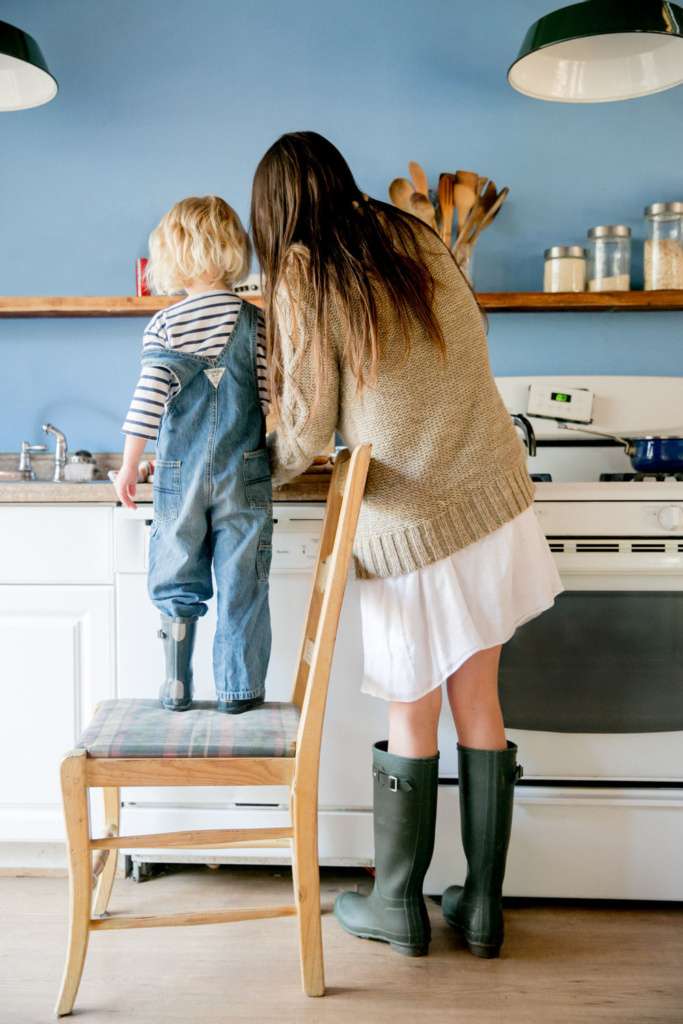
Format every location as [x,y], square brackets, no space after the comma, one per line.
[405,791]
[487,784]
[178,637]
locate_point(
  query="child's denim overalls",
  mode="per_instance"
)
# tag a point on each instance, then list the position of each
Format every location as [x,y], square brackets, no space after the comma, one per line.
[213,501]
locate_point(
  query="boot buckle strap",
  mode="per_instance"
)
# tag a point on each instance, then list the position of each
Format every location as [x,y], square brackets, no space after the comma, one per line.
[392,781]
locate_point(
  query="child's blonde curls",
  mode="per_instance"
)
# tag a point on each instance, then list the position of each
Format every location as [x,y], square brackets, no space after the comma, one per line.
[198,236]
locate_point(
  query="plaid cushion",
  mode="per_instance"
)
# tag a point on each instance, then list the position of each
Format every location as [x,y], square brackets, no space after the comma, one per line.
[142,728]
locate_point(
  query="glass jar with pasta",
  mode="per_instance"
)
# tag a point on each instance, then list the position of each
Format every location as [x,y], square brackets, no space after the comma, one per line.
[663,246]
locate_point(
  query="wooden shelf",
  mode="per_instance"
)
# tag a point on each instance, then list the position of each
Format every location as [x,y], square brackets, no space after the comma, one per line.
[92,305]
[579,302]
[492,302]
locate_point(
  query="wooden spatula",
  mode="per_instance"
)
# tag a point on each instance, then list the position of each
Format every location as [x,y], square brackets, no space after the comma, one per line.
[447,204]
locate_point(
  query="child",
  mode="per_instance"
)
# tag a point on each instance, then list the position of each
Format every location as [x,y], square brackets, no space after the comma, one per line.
[203,392]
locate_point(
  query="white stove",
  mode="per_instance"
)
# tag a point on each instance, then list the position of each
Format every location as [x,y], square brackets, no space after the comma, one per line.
[592,690]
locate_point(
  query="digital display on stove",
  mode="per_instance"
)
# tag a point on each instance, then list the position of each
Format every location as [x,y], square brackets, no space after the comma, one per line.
[558,396]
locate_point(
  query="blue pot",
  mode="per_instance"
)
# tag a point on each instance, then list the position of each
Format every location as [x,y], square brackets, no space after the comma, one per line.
[648,454]
[656,454]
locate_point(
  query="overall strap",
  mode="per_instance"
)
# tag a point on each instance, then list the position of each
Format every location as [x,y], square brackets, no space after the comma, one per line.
[243,331]
[183,366]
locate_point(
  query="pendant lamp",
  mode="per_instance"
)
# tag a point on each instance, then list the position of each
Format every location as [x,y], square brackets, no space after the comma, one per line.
[24,78]
[601,50]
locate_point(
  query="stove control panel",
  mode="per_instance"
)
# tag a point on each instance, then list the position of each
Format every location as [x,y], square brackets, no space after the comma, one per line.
[575,405]
[587,520]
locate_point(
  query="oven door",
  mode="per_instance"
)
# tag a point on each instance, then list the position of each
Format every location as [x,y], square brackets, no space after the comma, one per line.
[593,687]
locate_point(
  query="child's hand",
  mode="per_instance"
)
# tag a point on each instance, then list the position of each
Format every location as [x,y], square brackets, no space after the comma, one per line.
[124,484]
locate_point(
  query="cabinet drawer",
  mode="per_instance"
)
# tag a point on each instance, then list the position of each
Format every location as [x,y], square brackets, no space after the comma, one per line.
[56,544]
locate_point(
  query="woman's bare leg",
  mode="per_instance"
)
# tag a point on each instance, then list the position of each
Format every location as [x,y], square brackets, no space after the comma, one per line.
[413,726]
[473,697]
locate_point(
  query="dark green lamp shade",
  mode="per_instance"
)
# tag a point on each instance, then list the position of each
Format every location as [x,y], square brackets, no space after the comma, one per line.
[24,78]
[601,50]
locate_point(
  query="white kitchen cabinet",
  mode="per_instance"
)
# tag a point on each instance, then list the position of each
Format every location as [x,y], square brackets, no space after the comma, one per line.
[57,647]
[69,544]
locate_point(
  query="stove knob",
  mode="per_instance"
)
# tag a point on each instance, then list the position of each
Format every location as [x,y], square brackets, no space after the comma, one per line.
[670,517]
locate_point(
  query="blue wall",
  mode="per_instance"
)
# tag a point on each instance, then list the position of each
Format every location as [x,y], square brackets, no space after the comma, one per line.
[166,98]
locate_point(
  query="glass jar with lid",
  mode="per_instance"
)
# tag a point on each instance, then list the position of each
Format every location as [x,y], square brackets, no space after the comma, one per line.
[609,258]
[564,269]
[663,248]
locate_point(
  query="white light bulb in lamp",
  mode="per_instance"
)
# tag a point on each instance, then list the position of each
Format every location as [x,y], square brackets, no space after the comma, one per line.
[24,78]
[601,50]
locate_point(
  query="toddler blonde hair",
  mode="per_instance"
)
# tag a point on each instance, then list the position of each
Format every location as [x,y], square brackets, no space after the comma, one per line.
[199,235]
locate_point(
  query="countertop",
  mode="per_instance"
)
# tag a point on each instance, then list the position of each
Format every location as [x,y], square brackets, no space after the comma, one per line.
[307,487]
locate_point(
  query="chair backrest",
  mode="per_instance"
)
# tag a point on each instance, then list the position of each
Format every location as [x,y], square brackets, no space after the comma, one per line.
[325,600]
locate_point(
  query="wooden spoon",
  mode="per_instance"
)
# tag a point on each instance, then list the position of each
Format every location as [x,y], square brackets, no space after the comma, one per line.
[400,191]
[479,210]
[489,216]
[421,207]
[447,204]
[419,178]
[467,178]
[466,188]
[465,197]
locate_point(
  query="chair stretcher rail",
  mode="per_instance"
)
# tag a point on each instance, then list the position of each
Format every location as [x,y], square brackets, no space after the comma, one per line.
[204,837]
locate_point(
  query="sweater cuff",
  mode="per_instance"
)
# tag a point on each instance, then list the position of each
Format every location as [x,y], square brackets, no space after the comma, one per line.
[287,460]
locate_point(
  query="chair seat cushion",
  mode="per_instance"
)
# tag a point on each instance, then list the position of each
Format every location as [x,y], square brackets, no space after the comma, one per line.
[142,728]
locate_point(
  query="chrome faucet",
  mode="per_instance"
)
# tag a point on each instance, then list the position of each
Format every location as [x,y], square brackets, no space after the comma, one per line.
[25,467]
[60,452]
[523,422]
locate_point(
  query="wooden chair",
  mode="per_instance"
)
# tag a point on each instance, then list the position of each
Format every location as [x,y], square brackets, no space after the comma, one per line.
[127,744]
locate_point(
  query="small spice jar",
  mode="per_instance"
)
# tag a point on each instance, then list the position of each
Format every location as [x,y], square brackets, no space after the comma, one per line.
[564,269]
[609,258]
[663,248]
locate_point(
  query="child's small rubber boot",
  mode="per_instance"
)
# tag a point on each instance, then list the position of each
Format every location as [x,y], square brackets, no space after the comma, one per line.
[404,816]
[487,782]
[178,636]
[236,707]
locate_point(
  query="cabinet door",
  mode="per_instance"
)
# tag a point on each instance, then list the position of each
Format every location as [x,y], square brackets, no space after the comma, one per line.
[57,663]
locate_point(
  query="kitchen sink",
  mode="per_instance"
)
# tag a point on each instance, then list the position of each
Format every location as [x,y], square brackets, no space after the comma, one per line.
[14,478]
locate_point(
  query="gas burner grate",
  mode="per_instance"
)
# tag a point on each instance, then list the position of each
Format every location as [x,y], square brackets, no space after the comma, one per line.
[637,477]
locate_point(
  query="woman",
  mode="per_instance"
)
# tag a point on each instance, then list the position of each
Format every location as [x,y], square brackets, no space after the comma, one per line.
[373,331]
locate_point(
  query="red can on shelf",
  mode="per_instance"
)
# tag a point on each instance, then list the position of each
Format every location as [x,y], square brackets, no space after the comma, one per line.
[141,287]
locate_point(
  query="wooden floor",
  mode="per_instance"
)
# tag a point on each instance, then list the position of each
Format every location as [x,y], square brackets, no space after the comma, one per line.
[562,963]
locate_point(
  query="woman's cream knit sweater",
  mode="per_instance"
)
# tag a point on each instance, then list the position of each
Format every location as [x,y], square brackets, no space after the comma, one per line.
[447,465]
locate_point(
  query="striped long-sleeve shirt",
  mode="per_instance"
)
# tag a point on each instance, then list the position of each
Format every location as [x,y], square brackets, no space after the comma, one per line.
[201,325]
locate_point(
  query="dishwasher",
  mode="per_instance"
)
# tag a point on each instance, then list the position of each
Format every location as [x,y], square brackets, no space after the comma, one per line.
[353,721]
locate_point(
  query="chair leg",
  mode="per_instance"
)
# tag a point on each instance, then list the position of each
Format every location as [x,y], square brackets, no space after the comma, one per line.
[75,799]
[306,877]
[111,827]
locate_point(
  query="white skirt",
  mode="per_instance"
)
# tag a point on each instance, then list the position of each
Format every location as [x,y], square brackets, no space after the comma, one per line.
[419,628]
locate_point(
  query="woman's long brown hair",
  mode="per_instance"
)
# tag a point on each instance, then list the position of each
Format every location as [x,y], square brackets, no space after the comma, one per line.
[304,195]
